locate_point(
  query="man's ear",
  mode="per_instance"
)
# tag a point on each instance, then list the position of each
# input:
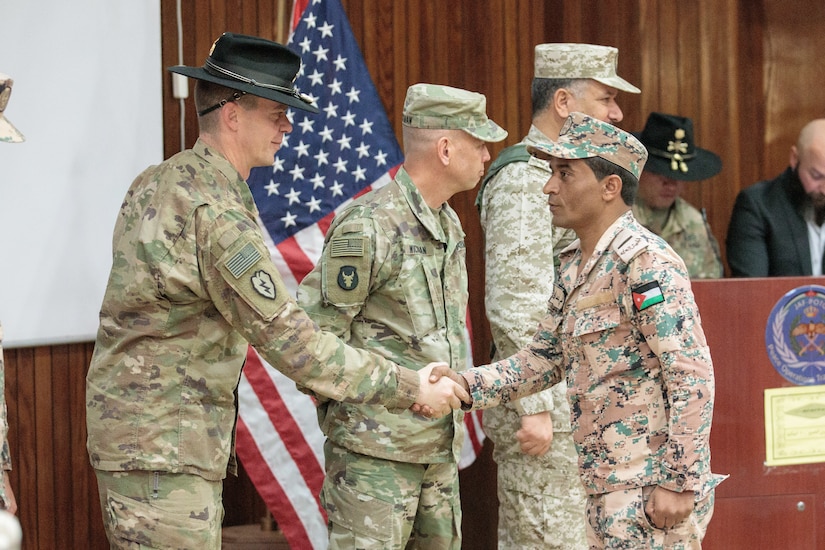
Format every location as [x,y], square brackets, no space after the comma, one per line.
[794,157]
[612,188]
[444,149]
[561,102]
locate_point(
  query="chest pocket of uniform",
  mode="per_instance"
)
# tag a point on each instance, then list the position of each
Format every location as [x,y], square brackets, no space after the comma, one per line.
[592,322]
[421,281]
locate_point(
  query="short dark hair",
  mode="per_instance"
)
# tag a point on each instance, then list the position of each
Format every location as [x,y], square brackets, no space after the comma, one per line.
[208,94]
[603,168]
[543,89]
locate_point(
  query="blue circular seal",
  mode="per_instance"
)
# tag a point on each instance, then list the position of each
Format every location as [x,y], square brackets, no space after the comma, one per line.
[795,336]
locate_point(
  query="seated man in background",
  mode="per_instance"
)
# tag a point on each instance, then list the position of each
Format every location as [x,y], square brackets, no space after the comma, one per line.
[675,159]
[776,228]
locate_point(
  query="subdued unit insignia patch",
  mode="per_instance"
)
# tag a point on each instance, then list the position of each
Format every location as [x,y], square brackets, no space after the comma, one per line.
[263,284]
[348,277]
[245,258]
[647,295]
[627,244]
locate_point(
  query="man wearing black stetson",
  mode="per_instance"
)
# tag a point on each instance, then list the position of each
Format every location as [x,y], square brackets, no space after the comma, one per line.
[675,159]
[191,284]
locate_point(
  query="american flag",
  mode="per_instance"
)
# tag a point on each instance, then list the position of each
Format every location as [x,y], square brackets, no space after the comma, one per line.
[328,159]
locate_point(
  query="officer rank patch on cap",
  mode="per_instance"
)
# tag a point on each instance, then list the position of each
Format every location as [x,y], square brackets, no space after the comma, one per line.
[647,295]
[263,284]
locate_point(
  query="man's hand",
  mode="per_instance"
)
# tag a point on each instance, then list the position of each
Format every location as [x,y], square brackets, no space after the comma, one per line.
[536,433]
[438,397]
[667,508]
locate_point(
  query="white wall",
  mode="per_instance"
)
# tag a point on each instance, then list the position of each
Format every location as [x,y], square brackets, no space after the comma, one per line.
[87,96]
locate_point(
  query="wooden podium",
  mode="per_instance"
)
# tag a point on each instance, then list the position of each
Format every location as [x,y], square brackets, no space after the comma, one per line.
[758,506]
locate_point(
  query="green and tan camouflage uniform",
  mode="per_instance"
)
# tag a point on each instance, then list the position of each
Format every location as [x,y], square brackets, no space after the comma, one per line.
[624,331]
[5,453]
[191,285]
[8,134]
[541,500]
[392,279]
[675,161]
[687,232]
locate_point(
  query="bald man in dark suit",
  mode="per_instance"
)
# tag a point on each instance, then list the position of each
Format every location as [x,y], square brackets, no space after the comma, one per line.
[778,226]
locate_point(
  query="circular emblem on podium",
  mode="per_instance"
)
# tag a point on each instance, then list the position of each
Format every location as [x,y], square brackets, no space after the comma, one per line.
[795,336]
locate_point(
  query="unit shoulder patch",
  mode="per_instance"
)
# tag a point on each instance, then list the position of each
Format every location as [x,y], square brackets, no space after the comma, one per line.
[628,244]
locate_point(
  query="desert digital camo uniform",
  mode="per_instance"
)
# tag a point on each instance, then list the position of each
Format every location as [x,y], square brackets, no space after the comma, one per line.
[392,280]
[519,258]
[687,232]
[627,334]
[5,453]
[191,283]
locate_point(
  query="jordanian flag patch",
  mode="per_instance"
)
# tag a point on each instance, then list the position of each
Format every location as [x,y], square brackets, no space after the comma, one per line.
[647,295]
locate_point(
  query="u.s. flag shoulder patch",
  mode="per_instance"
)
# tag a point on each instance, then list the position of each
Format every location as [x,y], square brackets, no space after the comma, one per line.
[646,295]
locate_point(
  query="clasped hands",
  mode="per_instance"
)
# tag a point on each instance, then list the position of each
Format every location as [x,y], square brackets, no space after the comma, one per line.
[440,390]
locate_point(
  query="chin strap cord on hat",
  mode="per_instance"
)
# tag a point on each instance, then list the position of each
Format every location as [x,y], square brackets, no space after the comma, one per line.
[235,97]
[283,89]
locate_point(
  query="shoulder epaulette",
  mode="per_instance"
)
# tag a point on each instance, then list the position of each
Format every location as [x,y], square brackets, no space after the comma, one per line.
[628,244]
[513,153]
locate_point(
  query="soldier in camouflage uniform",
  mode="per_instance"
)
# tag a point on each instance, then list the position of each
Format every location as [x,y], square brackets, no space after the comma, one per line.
[623,327]
[392,279]
[191,285]
[8,134]
[541,501]
[674,160]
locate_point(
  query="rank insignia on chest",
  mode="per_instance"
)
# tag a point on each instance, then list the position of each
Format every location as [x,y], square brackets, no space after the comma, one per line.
[348,277]
[557,299]
[647,295]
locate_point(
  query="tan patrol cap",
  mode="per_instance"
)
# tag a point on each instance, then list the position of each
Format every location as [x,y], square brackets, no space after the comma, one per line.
[580,61]
[435,106]
[8,132]
[584,137]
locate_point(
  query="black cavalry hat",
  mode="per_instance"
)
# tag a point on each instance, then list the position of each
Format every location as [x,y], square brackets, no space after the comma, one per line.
[253,65]
[672,152]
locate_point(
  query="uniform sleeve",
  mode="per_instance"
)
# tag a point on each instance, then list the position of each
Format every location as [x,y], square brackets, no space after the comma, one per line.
[534,368]
[248,292]
[518,251]
[746,243]
[5,454]
[672,328]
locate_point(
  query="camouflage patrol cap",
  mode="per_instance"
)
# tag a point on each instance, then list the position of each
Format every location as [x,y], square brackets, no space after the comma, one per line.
[442,107]
[580,61]
[8,132]
[584,137]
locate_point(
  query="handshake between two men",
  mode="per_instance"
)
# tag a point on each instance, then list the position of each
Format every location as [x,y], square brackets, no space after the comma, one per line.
[441,390]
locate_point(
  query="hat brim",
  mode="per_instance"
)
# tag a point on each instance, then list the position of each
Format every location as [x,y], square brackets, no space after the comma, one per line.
[558,150]
[704,164]
[490,132]
[199,73]
[619,83]
[8,133]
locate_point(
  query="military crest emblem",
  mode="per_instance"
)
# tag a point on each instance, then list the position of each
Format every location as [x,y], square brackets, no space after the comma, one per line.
[795,336]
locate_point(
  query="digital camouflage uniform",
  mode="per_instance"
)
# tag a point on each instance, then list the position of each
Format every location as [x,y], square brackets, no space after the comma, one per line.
[191,284]
[5,453]
[627,335]
[541,500]
[392,279]
[687,232]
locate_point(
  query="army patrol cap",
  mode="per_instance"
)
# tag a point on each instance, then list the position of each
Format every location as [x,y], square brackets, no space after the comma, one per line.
[584,137]
[8,132]
[437,107]
[580,61]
